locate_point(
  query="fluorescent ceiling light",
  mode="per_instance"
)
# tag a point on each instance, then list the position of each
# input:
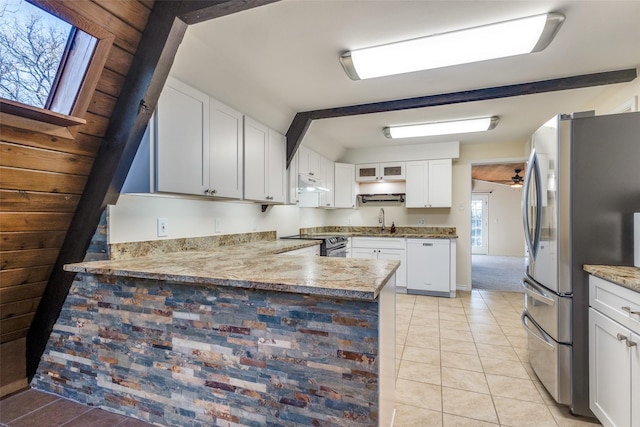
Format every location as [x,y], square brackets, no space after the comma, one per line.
[442,128]
[507,38]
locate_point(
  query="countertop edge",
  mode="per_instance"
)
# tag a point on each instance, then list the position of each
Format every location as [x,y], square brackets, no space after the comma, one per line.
[625,276]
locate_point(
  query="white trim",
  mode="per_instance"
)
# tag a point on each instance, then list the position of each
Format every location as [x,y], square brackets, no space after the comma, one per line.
[629,106]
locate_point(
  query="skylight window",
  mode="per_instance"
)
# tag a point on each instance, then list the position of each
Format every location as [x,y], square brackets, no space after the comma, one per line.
[43,59]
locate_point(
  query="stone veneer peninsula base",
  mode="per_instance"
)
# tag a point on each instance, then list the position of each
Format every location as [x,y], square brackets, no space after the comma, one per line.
[181,354]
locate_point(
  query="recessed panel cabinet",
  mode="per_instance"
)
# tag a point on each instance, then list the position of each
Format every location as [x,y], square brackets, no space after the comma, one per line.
[429,184]
[199,144]
[372,172]
[182,150]
[345,189]
[264,163]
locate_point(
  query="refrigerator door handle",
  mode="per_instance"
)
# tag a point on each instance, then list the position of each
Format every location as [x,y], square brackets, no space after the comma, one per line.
[538,334]
[532,241]
[536,292]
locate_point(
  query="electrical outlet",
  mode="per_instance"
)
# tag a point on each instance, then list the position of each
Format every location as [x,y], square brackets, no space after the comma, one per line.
[163,227]
[421,221]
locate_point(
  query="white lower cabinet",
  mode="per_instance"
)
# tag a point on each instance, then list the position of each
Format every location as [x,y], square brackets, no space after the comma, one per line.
[308,251]
[614,353]
[429,267]
[383,248]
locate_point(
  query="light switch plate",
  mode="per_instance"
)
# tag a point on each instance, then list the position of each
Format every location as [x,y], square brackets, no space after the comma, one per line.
[163,227]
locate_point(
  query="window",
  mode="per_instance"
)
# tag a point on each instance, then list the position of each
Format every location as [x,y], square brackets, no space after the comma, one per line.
[43,59]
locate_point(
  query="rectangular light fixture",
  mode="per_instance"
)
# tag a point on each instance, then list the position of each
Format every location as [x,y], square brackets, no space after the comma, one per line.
[442,128]
[508,38]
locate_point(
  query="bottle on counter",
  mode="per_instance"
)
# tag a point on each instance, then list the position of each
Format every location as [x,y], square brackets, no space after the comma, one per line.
[393,227]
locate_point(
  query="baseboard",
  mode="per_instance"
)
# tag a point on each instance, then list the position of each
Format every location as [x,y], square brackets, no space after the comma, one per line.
[19,385]
[463,288]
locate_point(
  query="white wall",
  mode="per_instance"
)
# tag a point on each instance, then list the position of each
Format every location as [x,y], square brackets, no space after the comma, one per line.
[134,217]
[506,235]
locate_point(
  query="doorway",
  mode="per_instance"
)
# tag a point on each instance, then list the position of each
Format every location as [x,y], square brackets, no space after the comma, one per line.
[497,237]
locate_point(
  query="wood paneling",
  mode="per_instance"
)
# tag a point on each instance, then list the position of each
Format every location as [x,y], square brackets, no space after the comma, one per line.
[23,276]
[50,182]
[18,308]
[13,241]
[110,82]
[21,292]
[38,159]
[119,61]
[81,146]
[23,201]
[132,12]
[33,221]
[96,125]
[27,258]
[102,104]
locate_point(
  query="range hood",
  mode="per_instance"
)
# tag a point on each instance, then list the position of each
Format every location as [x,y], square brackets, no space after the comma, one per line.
[391,197]
[309,184]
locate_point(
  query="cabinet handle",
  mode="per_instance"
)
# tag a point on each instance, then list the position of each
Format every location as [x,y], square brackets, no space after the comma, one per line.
[427,244]
[206,192]
[628,310]
[311,173]
[214,191]
[631,344]
[622,337]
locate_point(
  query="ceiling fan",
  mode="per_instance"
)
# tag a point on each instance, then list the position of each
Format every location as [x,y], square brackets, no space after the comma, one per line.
[517,179]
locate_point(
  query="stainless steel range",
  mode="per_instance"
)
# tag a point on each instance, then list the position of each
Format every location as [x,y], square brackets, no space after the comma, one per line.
[333,245]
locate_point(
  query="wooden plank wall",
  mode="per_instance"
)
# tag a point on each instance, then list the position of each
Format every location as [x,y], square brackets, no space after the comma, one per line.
[42,177]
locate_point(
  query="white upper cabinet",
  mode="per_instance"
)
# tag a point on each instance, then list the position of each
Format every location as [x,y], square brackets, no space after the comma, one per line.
[327,198]
[264,163]
[182,119]
[345,192]
[309,162]
[429,184]
[225,151]
[371,172]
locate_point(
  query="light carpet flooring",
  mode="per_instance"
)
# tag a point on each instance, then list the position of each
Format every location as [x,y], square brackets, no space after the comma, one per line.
[463,362]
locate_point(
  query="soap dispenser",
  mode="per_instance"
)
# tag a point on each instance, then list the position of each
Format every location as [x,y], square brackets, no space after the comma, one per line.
[393,227]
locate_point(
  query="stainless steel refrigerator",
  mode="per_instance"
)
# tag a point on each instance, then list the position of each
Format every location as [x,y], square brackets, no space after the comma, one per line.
[582,186]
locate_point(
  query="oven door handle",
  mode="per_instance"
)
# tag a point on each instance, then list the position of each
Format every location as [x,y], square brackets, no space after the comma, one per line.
[538,334]
[535,292]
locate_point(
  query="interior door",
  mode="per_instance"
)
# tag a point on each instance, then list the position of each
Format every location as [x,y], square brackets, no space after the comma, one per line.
[480,224]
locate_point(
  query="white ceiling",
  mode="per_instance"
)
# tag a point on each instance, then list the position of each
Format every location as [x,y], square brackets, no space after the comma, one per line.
[275,60]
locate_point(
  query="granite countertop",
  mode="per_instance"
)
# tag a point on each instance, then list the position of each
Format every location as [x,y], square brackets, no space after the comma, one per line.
[421,232]
[629,277]
[256,265]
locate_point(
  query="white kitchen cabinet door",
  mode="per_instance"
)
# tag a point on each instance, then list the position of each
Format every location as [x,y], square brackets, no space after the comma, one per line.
[440,183]
[417,177]
[276,167]
[344,184]
[309,162]
[364,253]
[256,158]
[398,255]
[182,139]
[395,171]
[610,392]
[429,184]
[635,380]
[225,151]
[327,198]
[367,172]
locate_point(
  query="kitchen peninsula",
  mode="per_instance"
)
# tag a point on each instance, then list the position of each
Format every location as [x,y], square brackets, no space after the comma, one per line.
[234,333]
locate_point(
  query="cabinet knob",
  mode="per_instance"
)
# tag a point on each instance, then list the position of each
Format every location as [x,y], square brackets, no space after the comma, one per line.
[214,191]
[311,173]
[206,192]
[631,344]
[628,310]
[622,337]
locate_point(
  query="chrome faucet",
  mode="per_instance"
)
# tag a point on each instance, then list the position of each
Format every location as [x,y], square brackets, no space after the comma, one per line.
[381,219]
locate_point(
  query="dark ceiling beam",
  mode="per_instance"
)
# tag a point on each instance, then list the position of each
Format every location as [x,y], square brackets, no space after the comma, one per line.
[196,11]
[138,99]
[296,131]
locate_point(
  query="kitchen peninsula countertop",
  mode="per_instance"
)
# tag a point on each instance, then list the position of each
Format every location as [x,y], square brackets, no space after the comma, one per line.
[628,277]
[256,265]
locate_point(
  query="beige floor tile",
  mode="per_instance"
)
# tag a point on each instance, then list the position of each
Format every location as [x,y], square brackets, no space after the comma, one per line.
[485,328]
[565,419]
[431,329]
[425,316]
[422,372]
[544,394]
[469,362]
[465,380]
[496,352]
[421,355]
[411,416]
[516,388]
[453,317]
[511,331]
[459,336]
[507,368]
[518,342]
[493,339]
[523,354]
[468,404]
[456,421]
[454,346]
[424,340]
[422,395]
[518,413]
[453,325]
